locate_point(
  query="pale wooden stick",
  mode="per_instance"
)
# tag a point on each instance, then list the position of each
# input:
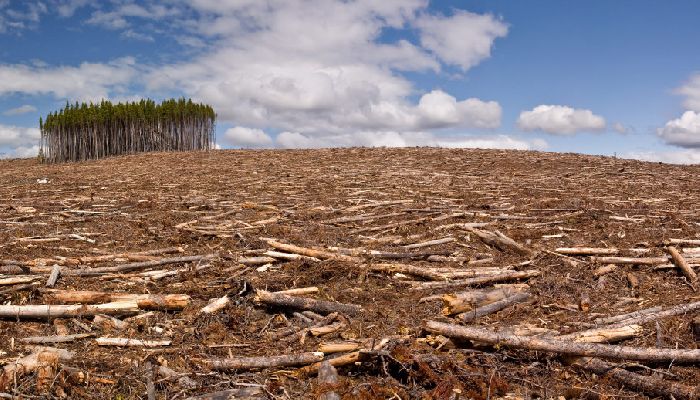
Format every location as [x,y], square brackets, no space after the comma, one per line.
[246,363]
[60,311]
[53,277]
[55,339]
[563,346]
[587,251]
[682,264]
[215,305]
[298,291]
[144,301]
[630,260]
[126,342]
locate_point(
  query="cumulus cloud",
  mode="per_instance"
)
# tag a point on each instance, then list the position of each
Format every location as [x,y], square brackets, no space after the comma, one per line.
[560,120]
[463,39]
[21,152]
[15,136]
[25,109]
[691,91]
[88,81]
[319,69]
[247,138]
[687,156]
[683,131]
[406,139]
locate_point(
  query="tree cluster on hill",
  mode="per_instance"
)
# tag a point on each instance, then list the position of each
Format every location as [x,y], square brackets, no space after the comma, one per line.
[90,131]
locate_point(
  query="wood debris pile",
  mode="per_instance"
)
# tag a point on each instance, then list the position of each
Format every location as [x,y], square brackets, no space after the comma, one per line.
[350,273]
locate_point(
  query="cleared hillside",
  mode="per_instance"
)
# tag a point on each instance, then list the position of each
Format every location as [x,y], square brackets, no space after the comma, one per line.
[365,220]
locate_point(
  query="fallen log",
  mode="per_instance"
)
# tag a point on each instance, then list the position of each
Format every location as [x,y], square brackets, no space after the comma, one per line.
[494,307]
[414,270]
[256,260]
[136,266]
[564,347]
[289,256]
[248,363]
[55,339]
[299,291]
[645,317]
[127,342]
[304,303]
[304,251]
[509,276]
[630,260]
[586,251]
[53,277]
[48,311]
[144,301]
[682,264]
[649,385]
[686,242]
[14,280]
[429,243]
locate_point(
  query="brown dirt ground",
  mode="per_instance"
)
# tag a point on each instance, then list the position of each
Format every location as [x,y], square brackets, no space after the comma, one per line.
[143,197]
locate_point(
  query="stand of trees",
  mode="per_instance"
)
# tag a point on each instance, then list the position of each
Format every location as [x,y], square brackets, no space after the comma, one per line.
[90,131]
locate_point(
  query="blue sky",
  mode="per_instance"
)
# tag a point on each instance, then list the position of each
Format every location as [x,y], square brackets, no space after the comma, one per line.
[596,77]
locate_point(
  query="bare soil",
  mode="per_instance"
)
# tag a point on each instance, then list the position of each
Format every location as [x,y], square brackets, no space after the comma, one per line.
[224,201]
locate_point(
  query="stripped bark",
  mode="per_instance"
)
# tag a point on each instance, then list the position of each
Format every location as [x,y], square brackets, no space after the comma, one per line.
[622,317]
[215,305]
[642,318]
[53,277]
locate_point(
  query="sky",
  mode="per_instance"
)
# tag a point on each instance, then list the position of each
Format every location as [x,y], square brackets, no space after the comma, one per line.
[598,77]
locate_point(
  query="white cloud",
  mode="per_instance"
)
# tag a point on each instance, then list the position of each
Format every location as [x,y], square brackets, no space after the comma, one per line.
[321,69]
[683,131]
[687,156]
[621,128]
[247,138]
[463,39]
[25,109]
[89,81]
[406,139]
[66,8]
[142,37]
[14,136]
[21,152]
[691,91]
[560,120]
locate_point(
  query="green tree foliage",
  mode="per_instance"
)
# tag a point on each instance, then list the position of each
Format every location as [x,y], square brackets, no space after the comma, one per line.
[90,131]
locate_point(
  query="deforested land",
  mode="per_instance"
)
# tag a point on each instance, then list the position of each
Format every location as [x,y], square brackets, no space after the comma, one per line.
[349,273]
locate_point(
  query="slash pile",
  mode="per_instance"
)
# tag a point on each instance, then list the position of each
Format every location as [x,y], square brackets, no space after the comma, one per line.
[349,273]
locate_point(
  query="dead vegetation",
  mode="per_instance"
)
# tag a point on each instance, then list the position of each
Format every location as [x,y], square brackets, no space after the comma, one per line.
[349,273]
